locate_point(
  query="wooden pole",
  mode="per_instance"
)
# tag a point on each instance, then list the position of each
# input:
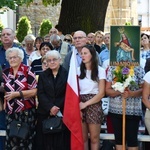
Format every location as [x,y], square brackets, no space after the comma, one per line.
[123,122]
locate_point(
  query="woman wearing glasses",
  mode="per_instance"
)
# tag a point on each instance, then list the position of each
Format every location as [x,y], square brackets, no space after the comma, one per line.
[19,100]
[51,95]
[68,38]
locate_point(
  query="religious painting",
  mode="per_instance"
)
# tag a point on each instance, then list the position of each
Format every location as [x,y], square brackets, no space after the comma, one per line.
[125,45]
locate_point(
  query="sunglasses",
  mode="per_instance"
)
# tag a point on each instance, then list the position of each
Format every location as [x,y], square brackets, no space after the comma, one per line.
[67,40]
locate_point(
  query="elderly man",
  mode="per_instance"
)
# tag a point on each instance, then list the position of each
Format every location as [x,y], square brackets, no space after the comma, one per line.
[79,41]
[62,47]
[7,39]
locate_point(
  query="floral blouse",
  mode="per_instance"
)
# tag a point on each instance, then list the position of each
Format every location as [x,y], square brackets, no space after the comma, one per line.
[133,105]
[24,80]
[145,54]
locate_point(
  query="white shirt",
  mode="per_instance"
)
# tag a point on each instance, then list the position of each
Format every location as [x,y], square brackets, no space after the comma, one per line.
[147,77]
[34,55]
[142,62]
[87,85]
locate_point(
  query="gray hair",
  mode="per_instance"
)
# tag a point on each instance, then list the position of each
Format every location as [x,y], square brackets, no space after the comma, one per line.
[81,32]
[12,31]
[15,49]
[53,53]
[55,37]
[29,37]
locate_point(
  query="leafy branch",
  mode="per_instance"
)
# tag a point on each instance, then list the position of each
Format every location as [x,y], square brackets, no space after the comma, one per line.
[13,4]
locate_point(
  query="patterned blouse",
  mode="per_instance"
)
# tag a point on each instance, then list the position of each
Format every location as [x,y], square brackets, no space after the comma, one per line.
[133,105]
[145,54]
[24,80]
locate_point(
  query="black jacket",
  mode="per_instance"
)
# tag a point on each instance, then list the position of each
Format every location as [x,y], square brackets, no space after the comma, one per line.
[51,92]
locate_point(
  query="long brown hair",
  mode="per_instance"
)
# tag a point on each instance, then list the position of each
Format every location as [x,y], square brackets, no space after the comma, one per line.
[94,64]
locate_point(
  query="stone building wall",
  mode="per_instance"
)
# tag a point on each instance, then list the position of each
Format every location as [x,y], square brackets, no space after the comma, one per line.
[121,11]
[37,12]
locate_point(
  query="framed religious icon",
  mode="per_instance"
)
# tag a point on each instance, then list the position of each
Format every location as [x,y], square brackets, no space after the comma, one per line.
[125,45]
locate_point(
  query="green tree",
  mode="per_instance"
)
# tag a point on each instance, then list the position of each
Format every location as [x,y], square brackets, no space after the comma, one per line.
[87,15]
[23,28]
[45,26]
[1,28]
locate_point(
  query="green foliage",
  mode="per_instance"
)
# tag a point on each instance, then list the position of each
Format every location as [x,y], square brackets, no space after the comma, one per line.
[1,28]
[12,4]
[128,23]
[50,2]
[45,26]
[23,28]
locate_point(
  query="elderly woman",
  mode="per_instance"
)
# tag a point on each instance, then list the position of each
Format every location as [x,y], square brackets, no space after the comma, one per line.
[29,46]
[19,103]
[51,96]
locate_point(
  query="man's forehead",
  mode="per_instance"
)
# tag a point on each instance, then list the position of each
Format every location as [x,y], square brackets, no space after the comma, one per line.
[79,34]
[53,30]
[6,31]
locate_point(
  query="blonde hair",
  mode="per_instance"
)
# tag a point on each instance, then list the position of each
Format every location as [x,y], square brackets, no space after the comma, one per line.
[99,32]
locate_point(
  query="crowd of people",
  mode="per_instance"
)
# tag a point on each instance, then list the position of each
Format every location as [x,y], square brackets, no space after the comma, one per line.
[33,79]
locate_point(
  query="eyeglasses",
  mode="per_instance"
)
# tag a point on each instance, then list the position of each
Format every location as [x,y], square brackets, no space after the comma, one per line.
[67,40]
[80,37]
[13,57]
[52,60]
[44,63]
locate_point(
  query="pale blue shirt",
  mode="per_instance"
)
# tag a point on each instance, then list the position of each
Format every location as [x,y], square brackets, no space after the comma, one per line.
[104,55]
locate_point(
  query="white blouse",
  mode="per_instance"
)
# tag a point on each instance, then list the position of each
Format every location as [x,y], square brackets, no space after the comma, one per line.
[87,85]
[147,77]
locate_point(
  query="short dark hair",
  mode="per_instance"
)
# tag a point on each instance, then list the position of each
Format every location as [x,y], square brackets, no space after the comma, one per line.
[145,35]
[46,44]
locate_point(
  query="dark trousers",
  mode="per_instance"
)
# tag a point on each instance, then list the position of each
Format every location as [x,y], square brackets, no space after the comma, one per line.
[2,127]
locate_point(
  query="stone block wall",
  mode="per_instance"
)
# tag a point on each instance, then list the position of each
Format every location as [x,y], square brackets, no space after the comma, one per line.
[36,12]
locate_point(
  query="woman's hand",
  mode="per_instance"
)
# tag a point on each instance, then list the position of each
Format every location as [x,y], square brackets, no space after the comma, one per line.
[127,93]
[10,95]
[82,105]
[54,110]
